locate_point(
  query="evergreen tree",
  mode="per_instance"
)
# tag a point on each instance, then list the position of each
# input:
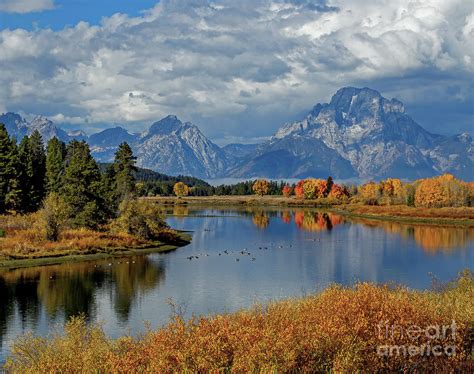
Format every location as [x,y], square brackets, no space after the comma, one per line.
[5,144]
[36,171]
[9,184]
[26,170]
[329,184]
[81,187]
[124,168]
[14,198]
[55,155]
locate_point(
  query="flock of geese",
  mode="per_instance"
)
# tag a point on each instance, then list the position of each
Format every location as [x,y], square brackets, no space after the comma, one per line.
[244,252]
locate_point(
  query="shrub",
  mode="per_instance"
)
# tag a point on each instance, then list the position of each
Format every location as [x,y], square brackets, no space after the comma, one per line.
[140,218]
[54,214]
[338,330]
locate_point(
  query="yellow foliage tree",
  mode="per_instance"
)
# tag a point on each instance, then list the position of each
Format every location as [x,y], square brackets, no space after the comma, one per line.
[260,187]
[442,191]
[370,192]
[180,189]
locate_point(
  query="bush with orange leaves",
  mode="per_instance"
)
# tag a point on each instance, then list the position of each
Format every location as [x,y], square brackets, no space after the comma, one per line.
[442,191]
[341,330]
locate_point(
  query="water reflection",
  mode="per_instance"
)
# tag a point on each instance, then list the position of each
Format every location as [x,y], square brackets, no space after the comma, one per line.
[292,251]
[430,237]
[71,289]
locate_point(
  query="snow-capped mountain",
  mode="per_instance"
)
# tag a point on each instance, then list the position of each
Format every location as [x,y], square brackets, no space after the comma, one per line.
[173,147]
[372,134]
[47,129]
[15,124]
[358,133]
[19,127]
[78,135]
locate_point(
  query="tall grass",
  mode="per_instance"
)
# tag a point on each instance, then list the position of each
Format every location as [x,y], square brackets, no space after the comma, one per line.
[337,330]
[24,238]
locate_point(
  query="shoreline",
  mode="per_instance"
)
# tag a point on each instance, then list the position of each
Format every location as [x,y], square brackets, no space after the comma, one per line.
[396,213]
[149,248]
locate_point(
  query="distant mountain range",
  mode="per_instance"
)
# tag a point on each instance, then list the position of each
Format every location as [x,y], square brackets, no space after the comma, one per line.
[358,134]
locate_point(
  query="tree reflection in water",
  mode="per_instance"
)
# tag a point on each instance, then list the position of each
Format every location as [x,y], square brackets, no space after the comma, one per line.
[431,238]
[72,289]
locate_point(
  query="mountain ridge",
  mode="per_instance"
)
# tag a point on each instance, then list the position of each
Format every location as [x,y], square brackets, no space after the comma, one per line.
[358,133]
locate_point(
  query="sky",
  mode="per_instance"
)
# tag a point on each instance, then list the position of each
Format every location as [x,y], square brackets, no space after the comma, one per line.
[237,69]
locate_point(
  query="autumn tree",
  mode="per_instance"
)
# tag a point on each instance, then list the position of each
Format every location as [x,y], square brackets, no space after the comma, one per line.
[180,189]
[370,193]
[260,187]
[55,213]
[442,191]
[287,191]
[338,192]
[299,191]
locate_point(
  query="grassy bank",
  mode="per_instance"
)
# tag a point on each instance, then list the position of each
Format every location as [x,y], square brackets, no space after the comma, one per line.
[246,200]
[341,329]
[24,244]
[401,213]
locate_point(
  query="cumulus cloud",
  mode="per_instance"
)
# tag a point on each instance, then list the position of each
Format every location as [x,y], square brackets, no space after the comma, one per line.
[236,68]
[25,6]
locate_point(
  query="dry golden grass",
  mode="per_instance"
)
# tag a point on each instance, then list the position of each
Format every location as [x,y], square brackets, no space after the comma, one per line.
[411,212]
[24,239]
[336,330]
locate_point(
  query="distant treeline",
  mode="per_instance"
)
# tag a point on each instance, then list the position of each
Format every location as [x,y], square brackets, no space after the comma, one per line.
[155,184]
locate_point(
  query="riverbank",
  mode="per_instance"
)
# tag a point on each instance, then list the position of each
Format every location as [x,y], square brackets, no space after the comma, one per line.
[93,253]
[343,329]
[24,244]
[439,216]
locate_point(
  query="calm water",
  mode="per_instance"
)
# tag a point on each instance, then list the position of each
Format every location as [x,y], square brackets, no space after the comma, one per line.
[291,252]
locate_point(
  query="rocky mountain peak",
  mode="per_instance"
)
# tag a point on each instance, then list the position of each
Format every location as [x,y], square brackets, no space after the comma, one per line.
[165,126]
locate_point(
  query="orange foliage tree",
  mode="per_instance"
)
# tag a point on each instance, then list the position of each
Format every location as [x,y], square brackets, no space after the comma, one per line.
[299,191]
[442,191]
[260,187]
[287,191]
[338,192]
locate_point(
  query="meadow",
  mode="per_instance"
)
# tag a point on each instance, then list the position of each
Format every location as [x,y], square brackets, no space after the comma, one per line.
[366,327]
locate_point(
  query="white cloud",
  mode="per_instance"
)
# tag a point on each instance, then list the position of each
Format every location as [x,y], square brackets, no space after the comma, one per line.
[25,6]
[236,69]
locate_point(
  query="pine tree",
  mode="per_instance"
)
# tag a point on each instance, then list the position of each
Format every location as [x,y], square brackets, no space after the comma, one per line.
[55,155]
[5,144]
[37,170]
[25,172]
[82,186]
[14,198]
[329,184]
[124,167]
[9,183]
